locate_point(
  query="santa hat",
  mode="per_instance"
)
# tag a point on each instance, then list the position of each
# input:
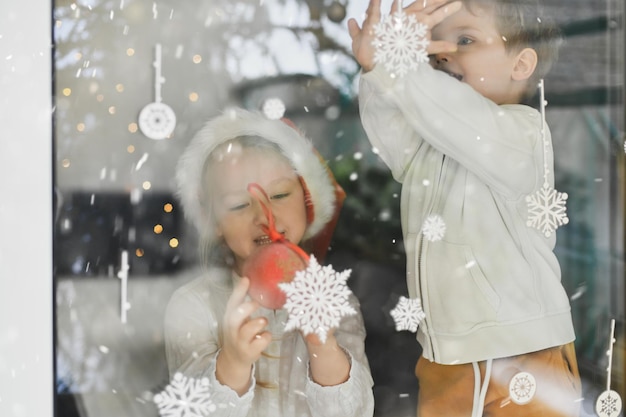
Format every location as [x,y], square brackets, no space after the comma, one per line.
[318,182]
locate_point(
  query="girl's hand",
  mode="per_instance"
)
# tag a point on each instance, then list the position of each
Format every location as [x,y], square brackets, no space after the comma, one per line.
[427,12]
[313,340]
[328,362]
[244,340]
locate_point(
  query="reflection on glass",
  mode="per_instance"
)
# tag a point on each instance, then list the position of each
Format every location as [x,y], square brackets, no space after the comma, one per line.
[115,185]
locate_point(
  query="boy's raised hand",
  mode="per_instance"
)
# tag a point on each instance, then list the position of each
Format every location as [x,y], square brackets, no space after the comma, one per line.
[362,37]
[244,339]
[427,12]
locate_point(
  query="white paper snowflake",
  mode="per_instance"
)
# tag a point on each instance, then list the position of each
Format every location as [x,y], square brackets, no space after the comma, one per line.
[546,210]
[273,108]
[522,388]
[317,299]
[609,404]
[185,397]
[546,207]
[407,314]
[400,43]
[434,228]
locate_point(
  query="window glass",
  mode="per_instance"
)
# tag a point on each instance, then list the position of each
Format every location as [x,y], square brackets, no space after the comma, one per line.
[134,80]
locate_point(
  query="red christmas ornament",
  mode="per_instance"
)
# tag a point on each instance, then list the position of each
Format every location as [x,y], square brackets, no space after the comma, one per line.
[273,263]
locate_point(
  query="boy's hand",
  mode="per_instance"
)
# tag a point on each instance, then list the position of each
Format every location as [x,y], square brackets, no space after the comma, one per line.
[244,339]
[362,37]
[427,12]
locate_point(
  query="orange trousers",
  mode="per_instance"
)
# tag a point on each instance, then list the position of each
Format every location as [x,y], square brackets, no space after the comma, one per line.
[449,390]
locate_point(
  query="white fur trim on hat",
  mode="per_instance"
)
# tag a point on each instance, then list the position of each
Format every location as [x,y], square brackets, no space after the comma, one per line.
[239,122]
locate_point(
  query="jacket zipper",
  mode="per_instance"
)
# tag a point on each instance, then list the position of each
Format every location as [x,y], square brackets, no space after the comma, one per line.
[422,282]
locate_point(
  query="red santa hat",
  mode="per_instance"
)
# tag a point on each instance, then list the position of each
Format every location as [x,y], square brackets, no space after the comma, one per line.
[323,196]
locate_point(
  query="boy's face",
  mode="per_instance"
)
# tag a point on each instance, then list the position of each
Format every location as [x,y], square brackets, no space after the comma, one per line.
[239,216]
[481,59]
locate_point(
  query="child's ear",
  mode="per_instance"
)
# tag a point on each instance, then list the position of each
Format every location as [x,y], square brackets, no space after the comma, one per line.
[525,64]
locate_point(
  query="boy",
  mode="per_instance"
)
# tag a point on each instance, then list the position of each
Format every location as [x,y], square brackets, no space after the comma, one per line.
[498,335]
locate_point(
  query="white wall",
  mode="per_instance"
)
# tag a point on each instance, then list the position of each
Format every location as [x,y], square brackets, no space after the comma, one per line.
[26,377]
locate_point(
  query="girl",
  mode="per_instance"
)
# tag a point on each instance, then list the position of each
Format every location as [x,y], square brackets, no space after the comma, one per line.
[212,328]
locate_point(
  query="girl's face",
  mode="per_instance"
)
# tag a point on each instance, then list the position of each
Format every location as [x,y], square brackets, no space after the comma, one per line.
[238,215]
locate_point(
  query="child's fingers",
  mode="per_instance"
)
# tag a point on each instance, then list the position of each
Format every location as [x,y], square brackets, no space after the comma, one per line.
[353,28]
[261,341]
[238,310]
[394,7]
[313,339]
[440,47]
[252,328]
[441,13]
[240,314]
[373,11]
[238,295]
[425,6]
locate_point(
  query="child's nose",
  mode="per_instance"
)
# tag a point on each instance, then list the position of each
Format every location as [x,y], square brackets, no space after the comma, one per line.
[259,216]
[441,58]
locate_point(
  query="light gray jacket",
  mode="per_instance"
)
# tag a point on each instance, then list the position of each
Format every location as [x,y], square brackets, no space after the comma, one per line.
[491,287]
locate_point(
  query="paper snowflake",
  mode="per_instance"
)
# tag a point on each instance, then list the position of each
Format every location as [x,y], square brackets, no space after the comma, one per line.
[317,299]
[273,108]
[522,388]
[407,314]
[609,404]
[546,210]
[400,43]
[434,228]
[185,397]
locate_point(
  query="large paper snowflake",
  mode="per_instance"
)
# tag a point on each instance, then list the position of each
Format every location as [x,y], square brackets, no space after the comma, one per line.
[609,404]
[400,43]
[317,299]
[546,210]
[522,388]
[434,228]
[185,397]
[408,314]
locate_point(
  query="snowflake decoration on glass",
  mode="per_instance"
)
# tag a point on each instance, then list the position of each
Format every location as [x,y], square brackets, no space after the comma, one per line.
[546,210]
[185,397]
[434,228]
[317,299]
[408,314]
[546,207]
[273,108]
[609,404]
[400,43]
[522,388]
